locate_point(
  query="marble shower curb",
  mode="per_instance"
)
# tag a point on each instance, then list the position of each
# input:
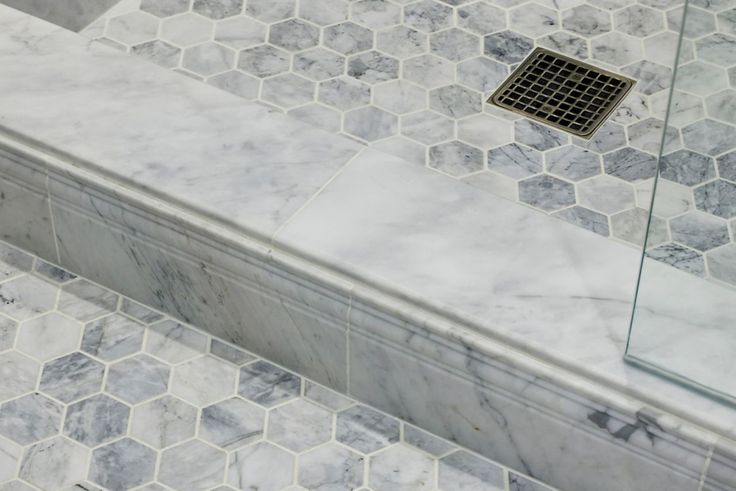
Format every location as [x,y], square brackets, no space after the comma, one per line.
[434,372]
[436,369]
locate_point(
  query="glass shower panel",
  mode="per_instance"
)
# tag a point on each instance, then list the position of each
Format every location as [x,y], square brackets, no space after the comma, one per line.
[684,320]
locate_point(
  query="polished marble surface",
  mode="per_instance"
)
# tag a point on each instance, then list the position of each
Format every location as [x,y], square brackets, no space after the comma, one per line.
[209,150]
[259,426]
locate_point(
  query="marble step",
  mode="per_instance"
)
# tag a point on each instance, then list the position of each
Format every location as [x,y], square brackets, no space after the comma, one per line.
[480,320]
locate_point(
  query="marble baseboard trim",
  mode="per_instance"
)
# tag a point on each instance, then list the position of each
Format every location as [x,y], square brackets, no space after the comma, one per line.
[520,411]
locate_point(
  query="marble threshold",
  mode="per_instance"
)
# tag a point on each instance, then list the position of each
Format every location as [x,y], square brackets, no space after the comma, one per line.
[482,321]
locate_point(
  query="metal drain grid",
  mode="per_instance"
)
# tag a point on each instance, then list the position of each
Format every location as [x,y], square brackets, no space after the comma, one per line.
[562,92]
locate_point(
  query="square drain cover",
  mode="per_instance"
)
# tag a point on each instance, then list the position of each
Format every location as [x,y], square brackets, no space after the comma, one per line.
[562,92]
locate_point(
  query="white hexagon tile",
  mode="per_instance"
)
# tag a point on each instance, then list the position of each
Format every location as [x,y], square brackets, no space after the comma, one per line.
[100,393]
[411,77]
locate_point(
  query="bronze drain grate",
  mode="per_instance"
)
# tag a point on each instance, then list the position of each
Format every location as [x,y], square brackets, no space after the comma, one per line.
[562,92]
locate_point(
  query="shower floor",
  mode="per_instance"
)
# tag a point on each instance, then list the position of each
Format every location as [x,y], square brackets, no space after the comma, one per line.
[411,78]
[99,392]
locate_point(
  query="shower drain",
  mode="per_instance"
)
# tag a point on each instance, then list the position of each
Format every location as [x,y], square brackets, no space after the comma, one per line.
[562,92]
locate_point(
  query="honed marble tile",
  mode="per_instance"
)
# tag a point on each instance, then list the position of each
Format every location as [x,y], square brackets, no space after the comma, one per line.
[112,337]
[400,97]
[401,467]
[132,28]
[507,46]
[370,123]
[481,74]
[606,194]
[456,158]
[208,58]
[164,8]
[86,301]
[546,192]
[287,90]
[267,384]
[186,30]
[319,116]
[538,136]
[260,466]
[401,41]
[365,429]
[687,168]
[680,257]
[455,101]
[428,15]
[71,377]
[159,52]
[13,261]
[429,71]
[9,457]
[699,230]
[53,273]
[299,425]
[709,137]
[293,35]
[192,465]
[326,397]
[270,10]
[721,264]
[54,464]
[515,160]
[25,297]
[204,380]
[122,465]
[348,38]
[232,423]
[18,375]
[344,93]
[331,467]
[139,312]
[717,198]
[375,14]
[616,49]
[427,127]
[372,67]
[426,441]
[240,32]
[163,422]
[96,420]
[49,336]
[174,342]
[229,353]
[464,470]
[323,12]
[585,218]
[29,419]
[319,64]
[8,330]
[217,9]
[138,378]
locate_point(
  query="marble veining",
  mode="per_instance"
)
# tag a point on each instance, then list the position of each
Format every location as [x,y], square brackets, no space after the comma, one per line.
[242,441]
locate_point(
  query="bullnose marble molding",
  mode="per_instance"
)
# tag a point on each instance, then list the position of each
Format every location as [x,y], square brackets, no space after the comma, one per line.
[480,320]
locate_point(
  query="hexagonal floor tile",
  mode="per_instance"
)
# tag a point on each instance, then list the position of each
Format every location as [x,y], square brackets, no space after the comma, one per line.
[71,377]
[96,420]
[429,71]
[164,8]
[138,378]
[331,466]
[373,67]
[287,90]
[30,418]
[376,14]
[293,35]
[709,137]
[323,12]
[299,425]
[507,46]
[573,163]
[481,18]
[267,384]
[370,123]
[204,380]
[159,52]
[344,93]
[18,375]
[186,30]
[163,421]
[536,21]
[55,463]
[250,468]
[428,16]
[132,28]
[85,301]
[515,161]
[680,257]
[717,198]
[217,9]
[699,230]
[348,38]
[270,10]
[485,131]
[538,136]
[208,58]
[13,261]
[722,263]
[240,32]
[232,423]
[49,336]
[401,41]
[606,194]
[365,429]
[192,465]
[123,464]
[26,297]
[264,61]
[456,158]
[401,467]
[112,337]
[630,164]
[455,101]
[174,342]
[546,192]
[454,44]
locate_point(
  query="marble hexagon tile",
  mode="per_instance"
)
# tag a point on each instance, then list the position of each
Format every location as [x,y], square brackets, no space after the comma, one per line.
[410,77]
[107,394]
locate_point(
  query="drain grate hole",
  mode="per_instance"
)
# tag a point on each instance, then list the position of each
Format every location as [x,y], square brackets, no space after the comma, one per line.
[562,92]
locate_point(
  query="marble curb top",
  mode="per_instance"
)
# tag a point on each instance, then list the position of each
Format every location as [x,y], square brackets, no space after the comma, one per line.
[551,289]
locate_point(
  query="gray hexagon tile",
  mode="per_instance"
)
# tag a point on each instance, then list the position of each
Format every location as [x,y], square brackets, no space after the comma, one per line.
[195,413]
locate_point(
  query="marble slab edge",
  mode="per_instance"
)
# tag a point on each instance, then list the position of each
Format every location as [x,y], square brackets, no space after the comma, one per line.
[351,336]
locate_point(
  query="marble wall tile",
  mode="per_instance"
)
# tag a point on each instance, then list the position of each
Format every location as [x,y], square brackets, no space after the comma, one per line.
[477,407]
[248,306]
